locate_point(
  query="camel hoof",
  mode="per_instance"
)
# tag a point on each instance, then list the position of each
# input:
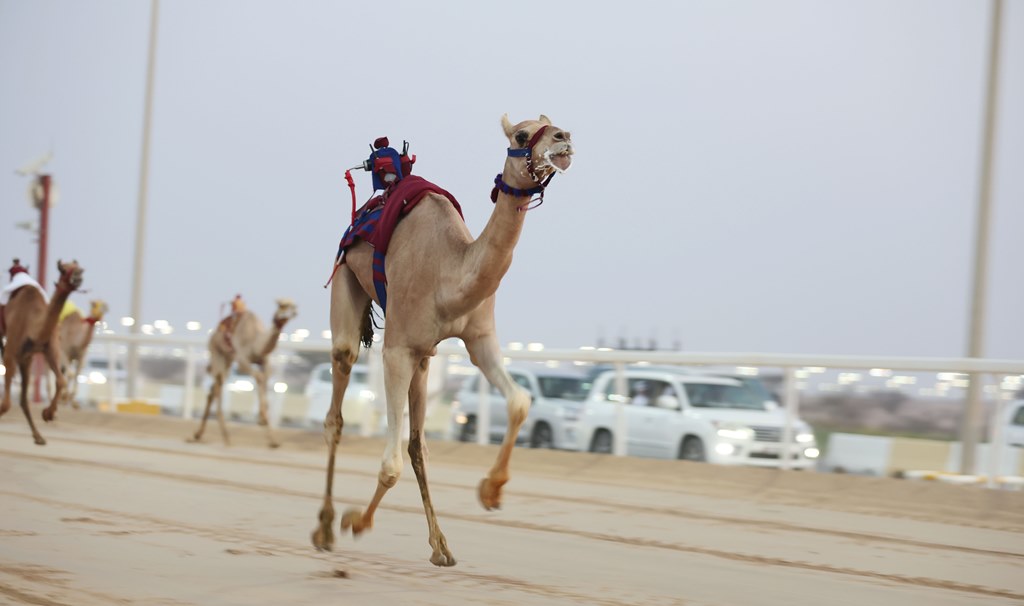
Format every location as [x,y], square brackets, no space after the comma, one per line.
[273,445]
[194,439]
[323,538]
[354,519]
[48,415]
[441,556]
[442,559]
[490,494]
[40,441]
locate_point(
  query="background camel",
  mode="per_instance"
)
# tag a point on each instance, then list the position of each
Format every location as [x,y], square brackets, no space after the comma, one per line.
[242,339]
[74,335]
[31,329]
[441,284]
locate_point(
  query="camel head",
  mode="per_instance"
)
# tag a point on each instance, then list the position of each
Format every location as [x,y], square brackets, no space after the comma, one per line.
[286,310]
[96,310]
[547,149]
[70,275]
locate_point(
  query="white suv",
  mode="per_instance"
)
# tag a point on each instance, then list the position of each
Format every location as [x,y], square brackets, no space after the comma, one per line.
[357,407]
[557,397]
[675,414]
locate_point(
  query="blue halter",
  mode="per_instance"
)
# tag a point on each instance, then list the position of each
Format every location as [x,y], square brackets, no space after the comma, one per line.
[523,152]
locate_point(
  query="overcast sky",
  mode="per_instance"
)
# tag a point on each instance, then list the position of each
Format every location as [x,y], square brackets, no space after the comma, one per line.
[750,176]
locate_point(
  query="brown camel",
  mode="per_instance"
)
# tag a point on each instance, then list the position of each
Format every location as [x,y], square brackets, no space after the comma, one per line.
[242,339]
[75,334]
[441,284]
[32,329]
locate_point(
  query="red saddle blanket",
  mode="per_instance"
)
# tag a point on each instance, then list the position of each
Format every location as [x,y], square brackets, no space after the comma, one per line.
[376,220]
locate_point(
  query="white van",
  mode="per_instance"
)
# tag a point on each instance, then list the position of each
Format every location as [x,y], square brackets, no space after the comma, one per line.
[675,414]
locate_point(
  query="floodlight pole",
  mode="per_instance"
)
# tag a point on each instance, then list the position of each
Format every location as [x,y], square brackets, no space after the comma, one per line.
[44,182]
[971,424]
[140,218]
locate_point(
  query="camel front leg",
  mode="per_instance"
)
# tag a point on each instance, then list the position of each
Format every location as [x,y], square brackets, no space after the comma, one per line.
[261,391]
[50,412]
[398,371]
[23,369]
[220,413]
[485,353]
[210,397]
[441,555]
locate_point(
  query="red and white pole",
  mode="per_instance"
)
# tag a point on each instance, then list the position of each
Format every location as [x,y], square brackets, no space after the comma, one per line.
[43,201]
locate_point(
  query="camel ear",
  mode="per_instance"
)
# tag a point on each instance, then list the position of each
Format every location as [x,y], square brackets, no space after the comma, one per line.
[507,126]
[545,120]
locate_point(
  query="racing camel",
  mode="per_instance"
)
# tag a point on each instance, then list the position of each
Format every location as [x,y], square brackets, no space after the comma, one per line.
[242,339]
[75,335]
[31,328]
[440,284]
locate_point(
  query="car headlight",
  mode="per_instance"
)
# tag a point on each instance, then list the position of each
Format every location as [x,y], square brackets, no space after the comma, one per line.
[804,437]
[735,432]
[97,377]
[367,395]
[461,419]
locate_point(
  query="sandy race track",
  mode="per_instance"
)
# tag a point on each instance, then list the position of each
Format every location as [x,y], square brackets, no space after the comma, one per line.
[119,509]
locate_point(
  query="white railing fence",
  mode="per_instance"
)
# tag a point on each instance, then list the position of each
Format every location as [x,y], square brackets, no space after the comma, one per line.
[193,350]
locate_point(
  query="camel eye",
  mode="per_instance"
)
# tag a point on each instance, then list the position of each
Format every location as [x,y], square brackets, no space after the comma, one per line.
[559,136]
[522,137]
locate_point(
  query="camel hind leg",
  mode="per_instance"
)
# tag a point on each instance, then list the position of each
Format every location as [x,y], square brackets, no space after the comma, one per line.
[399,363]
[441,555]
[23,367]
[485,353]
[350,309]
[10,367]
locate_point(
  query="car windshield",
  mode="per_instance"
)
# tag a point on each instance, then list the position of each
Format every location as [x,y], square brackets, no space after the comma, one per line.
[711,395]
[565,388]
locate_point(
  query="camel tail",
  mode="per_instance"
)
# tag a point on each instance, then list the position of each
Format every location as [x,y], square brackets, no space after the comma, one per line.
[366,333]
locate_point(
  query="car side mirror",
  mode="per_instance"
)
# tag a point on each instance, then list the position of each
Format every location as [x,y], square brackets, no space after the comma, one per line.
[666,401]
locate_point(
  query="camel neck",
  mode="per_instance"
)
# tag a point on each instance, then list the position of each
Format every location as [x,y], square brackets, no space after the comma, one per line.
[60,296]
[489,257]
[272,337]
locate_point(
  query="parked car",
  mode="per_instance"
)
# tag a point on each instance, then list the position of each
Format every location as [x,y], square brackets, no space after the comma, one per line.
[357,407]
[557,397]
[676,414]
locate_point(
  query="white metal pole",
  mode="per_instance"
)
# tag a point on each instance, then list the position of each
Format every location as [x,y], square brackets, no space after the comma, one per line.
[111,378]
[996,437]
[190,382]
[791,406]
[969,428]
[621,423]
[483,412]
[140,218]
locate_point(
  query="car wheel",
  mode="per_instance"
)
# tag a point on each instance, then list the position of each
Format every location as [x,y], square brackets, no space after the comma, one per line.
[602,442]
[542,437]
[692,450]
[468,433]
